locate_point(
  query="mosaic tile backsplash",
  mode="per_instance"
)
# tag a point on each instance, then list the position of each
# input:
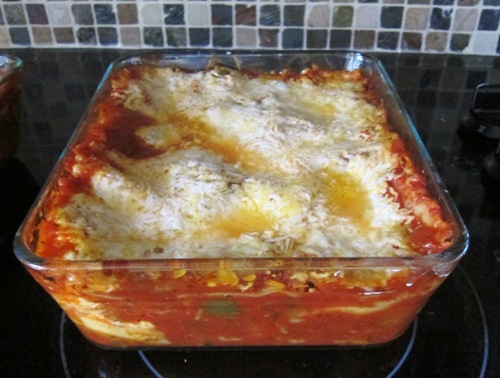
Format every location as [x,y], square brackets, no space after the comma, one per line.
[448,26]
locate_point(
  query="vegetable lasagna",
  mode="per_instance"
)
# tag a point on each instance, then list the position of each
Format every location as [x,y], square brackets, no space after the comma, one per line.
[235,167]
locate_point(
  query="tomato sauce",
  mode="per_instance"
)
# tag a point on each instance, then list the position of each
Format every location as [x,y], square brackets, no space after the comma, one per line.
[275,310]
[428,232]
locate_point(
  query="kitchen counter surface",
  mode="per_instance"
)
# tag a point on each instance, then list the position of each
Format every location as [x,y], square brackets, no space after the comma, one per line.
[457,334]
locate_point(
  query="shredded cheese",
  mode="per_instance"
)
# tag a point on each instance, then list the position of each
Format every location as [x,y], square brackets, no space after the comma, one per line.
[249,167]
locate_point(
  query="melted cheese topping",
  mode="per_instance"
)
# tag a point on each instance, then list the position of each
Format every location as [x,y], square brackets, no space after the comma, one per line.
[245,167]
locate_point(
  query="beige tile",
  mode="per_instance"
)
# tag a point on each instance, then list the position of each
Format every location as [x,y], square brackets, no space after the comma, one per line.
[64,35]
[151,14]
[130,36]
[416,18]
[485,43]
[321,16]
[58,14]
[42,35]
[469,3]
[436,41]
[367,16]
[127,14]
[198,14]
[246,37]
[465,19]
[4,37]
[318,16]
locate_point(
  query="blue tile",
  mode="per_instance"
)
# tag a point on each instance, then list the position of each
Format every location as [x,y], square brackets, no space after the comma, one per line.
[2,22]
[489,19]
[104,14]
[293,38]
[494,3]
[440,19]
[443,2]
[36,14]
[107,36]
[222,37]
[222,14]
[20,36]
[153,36]
[270,15]
[391,17]
[86,36]
[174,14]
[340,39]
[199,37]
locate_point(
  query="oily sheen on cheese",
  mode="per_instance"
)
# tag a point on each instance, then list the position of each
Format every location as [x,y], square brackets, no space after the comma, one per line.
[221,163]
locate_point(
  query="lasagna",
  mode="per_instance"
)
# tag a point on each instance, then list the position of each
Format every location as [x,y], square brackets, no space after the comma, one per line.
[254,175]
[221,163]
[10,110]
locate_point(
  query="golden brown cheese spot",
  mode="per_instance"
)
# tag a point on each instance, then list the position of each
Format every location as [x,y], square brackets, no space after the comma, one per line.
[242,221]
[230,150]
[179,131]
[347,197]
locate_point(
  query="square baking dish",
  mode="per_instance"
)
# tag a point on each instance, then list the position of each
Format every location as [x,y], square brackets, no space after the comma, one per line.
[225,299]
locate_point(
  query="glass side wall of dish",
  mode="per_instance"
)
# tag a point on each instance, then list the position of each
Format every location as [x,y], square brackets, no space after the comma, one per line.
[124,307]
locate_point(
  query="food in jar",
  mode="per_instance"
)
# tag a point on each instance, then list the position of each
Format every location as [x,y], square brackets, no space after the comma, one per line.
[215,203]
[10,109]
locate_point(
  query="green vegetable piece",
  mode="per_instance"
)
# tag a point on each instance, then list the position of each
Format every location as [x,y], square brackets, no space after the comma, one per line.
[222,308]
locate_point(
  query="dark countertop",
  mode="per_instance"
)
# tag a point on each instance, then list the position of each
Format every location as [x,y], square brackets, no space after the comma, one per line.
[457,334]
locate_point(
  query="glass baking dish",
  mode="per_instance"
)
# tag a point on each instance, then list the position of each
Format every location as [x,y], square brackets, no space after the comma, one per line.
[247,302]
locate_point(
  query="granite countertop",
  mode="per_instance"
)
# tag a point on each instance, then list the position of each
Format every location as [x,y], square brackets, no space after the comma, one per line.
[457,334]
